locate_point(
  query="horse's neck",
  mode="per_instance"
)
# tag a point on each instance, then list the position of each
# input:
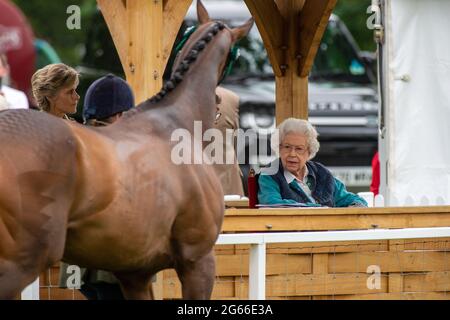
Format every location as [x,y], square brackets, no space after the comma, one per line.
[192,100]
[195,96]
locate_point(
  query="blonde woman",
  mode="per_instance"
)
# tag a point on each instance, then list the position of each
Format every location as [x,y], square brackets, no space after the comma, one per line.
[54,88]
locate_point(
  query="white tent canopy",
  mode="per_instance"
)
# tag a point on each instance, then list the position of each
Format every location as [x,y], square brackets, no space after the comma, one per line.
[415,151]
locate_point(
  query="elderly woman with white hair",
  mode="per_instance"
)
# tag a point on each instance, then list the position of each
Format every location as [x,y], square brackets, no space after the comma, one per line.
[299,180]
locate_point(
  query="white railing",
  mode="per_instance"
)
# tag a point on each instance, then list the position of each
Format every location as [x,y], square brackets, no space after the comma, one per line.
[258,241]
[31,292]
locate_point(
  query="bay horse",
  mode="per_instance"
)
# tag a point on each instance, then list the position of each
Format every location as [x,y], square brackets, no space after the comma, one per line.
[110,197]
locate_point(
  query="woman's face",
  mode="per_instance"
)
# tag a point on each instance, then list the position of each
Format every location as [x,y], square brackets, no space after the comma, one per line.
[65,101]
[294,153]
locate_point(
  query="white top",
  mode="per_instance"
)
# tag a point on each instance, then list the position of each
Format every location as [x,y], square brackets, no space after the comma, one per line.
[290,177]
[4,105]
[16,99]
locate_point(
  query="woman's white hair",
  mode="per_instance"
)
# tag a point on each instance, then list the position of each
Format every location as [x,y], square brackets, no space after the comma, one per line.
[297,126]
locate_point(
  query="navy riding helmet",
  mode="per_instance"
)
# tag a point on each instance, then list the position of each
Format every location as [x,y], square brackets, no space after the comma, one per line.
[106,97]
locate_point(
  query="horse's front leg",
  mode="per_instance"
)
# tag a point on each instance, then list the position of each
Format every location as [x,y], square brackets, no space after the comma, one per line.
[12,280]
[23,268]
[197,277]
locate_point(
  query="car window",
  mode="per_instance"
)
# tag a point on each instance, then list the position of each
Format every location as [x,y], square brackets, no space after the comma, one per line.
[253,58]
[336,59]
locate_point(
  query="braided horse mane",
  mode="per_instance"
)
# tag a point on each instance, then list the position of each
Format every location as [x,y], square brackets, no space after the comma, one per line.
[183,67]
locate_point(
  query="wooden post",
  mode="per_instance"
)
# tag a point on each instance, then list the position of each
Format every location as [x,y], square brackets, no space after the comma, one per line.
[271,26]
[115,15]
[313,21]
[291,90]
[144,60]
[291,30]
[174,13]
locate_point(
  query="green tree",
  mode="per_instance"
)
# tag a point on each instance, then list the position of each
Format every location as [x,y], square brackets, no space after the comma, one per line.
[354,14]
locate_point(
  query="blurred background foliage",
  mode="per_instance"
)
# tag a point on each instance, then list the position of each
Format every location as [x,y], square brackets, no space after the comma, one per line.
[354,14]
[48,20]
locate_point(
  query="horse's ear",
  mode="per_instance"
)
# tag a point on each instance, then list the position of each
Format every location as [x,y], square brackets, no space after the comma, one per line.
[202,14]
[242,31]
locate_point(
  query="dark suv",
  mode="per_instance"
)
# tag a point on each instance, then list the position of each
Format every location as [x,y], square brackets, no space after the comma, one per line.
[342,92]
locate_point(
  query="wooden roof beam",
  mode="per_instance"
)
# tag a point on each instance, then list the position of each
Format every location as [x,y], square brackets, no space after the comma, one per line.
[313,20]
[144,67]
[291,90]
[271,26]
[115,14]
[174,12]
[136,48]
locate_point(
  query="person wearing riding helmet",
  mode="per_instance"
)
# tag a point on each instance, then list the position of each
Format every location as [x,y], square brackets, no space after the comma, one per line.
[106,99]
